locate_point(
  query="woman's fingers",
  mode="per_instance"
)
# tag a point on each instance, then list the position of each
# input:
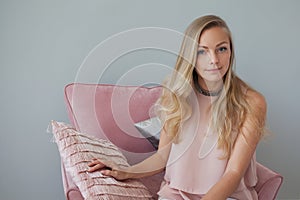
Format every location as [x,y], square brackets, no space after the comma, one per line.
[95,165]
[107,168]
[95,162]
[94,168]
[116,173]
[112,173]
[106,172]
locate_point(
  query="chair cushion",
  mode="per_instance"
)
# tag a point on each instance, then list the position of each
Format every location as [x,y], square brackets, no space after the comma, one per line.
[77,149]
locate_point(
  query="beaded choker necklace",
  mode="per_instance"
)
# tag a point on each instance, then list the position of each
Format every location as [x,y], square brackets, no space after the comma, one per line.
[201,90]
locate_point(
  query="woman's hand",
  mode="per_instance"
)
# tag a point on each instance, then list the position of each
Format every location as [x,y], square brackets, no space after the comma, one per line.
[154,164]
[108,168]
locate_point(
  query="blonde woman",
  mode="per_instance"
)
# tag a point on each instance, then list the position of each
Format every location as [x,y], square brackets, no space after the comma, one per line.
[212,123]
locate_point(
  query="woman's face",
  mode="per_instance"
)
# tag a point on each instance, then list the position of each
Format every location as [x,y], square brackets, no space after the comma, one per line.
[213,55]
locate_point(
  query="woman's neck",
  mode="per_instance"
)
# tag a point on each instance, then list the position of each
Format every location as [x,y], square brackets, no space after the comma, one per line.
[211,86]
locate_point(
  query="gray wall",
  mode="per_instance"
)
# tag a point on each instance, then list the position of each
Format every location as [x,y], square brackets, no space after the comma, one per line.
[44,43]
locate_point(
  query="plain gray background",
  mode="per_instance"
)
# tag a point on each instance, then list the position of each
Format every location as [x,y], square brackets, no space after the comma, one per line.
[44,43]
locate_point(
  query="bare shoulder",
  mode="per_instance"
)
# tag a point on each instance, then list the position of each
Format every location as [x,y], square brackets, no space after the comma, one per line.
[256,100]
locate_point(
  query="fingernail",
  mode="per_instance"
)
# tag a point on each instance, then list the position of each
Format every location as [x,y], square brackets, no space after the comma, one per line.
[102,172]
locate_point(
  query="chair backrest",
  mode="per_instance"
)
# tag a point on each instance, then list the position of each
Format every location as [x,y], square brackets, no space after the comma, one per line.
[110,111]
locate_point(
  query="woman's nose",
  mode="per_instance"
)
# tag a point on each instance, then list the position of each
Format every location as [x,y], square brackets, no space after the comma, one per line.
[214,59]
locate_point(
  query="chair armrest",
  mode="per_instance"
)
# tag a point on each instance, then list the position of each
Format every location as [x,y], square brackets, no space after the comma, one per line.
[71,190]
[268,183]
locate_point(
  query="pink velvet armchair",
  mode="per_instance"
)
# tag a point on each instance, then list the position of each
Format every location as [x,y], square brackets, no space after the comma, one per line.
[98,108]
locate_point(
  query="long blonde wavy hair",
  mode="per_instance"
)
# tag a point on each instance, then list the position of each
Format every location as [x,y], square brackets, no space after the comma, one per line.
[229,110]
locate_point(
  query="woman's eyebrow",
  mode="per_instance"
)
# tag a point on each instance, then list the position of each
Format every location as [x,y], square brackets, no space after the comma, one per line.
[219,44]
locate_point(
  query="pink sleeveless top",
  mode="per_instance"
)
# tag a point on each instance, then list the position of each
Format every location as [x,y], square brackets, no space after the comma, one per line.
[194,165]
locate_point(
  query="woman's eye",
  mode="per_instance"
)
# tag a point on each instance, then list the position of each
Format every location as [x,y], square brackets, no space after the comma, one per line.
[201,52]
[222,49]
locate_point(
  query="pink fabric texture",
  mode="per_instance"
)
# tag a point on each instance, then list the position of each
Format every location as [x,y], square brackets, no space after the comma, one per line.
[110,111]
[269,182]
[77,149]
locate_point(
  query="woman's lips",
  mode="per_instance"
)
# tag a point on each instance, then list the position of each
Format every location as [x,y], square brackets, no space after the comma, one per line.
[214,69]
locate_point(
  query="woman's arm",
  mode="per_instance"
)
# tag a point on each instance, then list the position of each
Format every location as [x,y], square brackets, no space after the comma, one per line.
[150,166]
[242,152]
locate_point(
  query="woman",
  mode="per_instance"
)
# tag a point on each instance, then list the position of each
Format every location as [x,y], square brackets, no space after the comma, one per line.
[212,123]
